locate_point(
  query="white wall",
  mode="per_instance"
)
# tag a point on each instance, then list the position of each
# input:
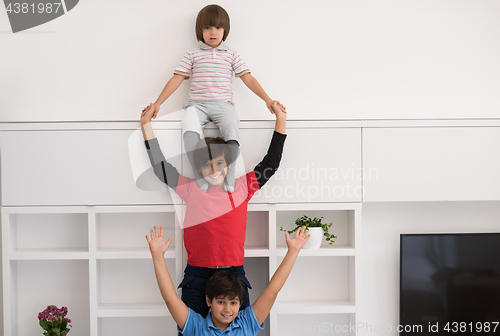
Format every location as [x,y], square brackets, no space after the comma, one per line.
[344,59]
[382,225]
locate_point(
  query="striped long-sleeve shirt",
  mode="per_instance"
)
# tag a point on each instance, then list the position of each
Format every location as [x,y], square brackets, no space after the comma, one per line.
[211,71]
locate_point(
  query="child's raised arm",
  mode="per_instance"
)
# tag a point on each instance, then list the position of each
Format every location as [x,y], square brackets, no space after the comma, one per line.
[280,114]
[146,116]
[265,301]
[175,305]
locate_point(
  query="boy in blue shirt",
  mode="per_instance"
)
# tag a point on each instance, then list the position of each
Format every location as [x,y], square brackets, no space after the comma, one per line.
[223,293]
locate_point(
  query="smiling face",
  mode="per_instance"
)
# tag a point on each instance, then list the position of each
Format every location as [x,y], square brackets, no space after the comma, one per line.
[223,310]
[212,36]
[214,171]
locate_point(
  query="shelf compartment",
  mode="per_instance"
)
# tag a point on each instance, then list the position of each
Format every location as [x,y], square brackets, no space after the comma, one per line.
[257,232]
[343,226]
[329,276]
[129,281]
[133,310]
[48,234]
[127,230]
[55,284]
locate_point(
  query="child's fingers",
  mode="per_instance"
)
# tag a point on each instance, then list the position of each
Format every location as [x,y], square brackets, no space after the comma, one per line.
[169,241]
[156,231]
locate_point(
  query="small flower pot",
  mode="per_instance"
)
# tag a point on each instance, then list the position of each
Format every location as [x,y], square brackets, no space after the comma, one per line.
[315,239]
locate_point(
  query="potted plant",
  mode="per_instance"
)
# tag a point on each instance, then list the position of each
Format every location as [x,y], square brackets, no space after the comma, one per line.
[316,228]
[54,322]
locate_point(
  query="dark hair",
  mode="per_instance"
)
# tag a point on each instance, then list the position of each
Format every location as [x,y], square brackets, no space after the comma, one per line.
[212,16]
[209,149]
[225,283]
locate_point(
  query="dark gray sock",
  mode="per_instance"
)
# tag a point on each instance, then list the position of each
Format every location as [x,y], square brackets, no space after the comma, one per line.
[234,148]
[191,140]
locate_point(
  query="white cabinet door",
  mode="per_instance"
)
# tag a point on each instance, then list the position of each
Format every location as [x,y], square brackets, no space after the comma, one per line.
[318,165]
[76,168]
[431,164]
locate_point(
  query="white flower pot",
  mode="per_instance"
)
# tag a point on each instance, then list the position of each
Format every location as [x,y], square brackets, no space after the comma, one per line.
[315,239]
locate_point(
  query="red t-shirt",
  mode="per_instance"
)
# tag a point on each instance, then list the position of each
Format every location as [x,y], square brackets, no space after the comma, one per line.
[215,221]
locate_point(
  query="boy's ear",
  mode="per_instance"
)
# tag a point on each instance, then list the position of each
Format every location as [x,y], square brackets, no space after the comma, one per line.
[209,303]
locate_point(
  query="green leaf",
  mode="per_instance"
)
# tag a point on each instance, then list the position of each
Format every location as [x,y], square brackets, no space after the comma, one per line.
[44,325]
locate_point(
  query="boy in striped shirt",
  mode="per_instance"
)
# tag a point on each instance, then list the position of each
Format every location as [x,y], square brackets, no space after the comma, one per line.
[211,66]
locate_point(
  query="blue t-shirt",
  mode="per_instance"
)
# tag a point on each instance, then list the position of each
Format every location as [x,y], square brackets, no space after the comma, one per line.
[245,324]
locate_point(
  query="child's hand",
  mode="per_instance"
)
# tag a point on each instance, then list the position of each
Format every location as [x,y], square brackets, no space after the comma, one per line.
[301,236]
[156,244]
[271,106]
[155,108]
[147,114]
[279,109]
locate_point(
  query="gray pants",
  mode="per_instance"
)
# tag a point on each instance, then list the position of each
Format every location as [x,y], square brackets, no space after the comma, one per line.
[225,117]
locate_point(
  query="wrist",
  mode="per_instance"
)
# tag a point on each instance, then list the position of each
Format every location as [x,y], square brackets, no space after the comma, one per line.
[147,131]
[158,256]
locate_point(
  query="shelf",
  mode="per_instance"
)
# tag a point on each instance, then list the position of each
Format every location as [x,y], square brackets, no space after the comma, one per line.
[133,310]
[46,254]
[256,252]
[108,243]
[315,307]
[335,251]
[138,253]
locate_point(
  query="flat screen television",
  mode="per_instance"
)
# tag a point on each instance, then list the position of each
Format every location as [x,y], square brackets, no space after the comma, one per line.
[450,284]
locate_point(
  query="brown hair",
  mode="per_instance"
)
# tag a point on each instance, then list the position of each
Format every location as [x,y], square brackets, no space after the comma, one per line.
[209,149]
[225,283]
[212,16]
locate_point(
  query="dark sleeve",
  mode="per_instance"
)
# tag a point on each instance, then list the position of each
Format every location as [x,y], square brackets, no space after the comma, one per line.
[270,163]
[165,171]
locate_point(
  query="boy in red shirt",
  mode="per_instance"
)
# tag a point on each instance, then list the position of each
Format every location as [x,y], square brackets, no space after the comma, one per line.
[215,221]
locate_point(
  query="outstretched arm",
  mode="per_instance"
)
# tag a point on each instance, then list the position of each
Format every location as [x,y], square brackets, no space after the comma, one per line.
[162,169]
[172,85]
[175,305]
[253,84]
[265,301]
[146,116]
[270,163]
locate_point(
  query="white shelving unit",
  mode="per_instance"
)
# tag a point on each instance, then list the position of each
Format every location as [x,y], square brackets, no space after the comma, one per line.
[73,226]
[106,245]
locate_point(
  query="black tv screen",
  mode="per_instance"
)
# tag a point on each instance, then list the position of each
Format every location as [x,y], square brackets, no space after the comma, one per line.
[450,284]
